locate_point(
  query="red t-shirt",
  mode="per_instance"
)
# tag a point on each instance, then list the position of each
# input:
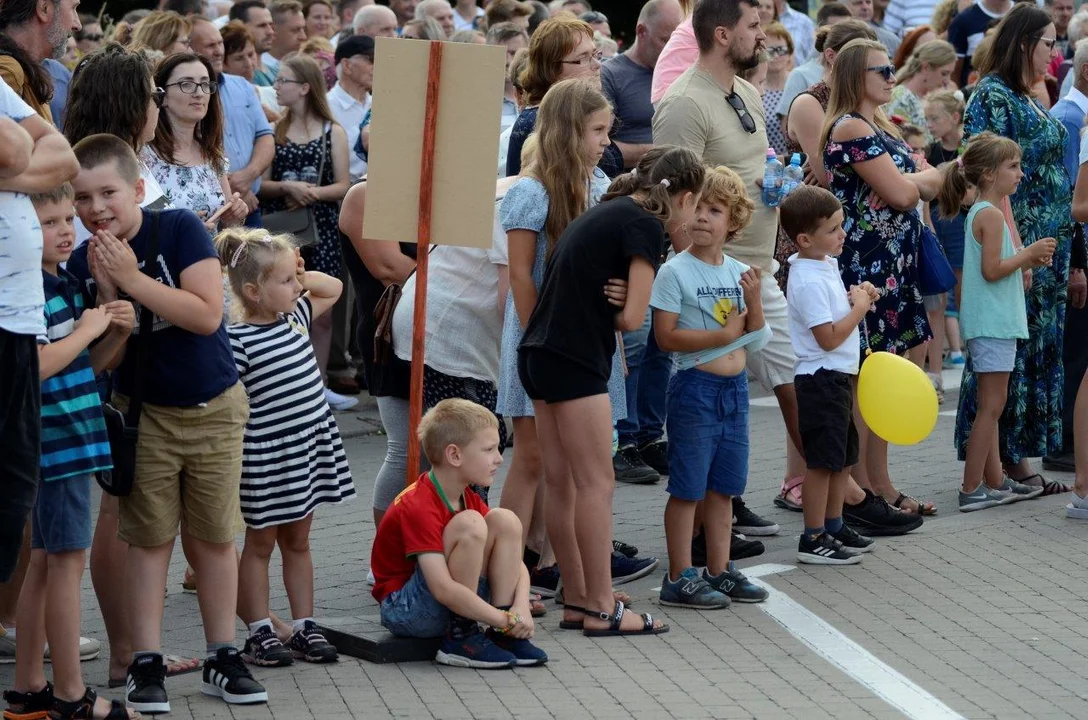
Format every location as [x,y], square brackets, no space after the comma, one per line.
[413,525]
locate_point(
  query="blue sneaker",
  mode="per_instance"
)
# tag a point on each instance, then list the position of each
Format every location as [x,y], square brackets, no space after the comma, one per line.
[951,362]
[474,651]
[733,583]
[527,654]
[691,591]
[625,569]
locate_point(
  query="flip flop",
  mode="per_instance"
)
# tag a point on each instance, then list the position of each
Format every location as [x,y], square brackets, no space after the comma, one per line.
[536,606]
[613,630]
[175,666]
[925,507]
[789,497]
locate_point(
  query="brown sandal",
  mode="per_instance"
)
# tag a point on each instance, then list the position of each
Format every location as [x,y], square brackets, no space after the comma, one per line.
[925,507]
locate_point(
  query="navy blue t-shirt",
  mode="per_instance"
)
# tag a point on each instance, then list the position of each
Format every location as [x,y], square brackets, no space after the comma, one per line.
[966,32]
[182,368]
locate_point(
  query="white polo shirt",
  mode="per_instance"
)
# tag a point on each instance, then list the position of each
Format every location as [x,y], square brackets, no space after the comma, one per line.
[349,112]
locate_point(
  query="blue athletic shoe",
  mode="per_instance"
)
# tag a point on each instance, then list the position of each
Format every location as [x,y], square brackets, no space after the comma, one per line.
[625,569]
[474,651]
[527,654]
[691,590]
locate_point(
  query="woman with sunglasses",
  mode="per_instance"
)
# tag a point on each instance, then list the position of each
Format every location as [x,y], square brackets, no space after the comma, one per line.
[1002,103]
[873,174]
[186,156]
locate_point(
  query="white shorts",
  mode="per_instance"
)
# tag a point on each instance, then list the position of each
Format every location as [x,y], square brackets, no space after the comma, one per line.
[773,365]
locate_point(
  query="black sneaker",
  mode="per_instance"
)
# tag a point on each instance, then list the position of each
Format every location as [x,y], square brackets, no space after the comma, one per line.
[625,569]
[824,550]
[630,468]
[265,649]
[544,581]
[740,548]
[854,542]
[624,549]
[145,691]
[656,455]
[874,517]
[1062,462]
[747,522]
[226,676]
[310,645]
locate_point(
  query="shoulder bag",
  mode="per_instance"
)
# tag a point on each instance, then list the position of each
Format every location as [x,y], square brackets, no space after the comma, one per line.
[383,317]
[300,222]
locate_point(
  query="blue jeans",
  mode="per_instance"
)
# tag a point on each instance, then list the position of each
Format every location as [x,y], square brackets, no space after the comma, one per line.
[412,611]
[648,370]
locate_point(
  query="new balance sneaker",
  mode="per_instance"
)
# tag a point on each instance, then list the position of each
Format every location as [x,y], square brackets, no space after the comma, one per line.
[691,590]
[1018,490]
[145,691]
[824,550]
[544,581]
[853,541]
[227,677]
[625,569]
[310,645]
[736,585]
[624,549]
[740,548]
[983,497]
[631,468]
[747,522]
[265,649]
[525,653]
[874,517]
[656,455]
[474,651]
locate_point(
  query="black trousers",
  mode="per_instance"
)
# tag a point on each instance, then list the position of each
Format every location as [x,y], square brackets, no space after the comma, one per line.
[20,441]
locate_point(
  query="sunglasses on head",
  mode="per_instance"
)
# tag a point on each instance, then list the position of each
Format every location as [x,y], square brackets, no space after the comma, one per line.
[746,120]
[888,71]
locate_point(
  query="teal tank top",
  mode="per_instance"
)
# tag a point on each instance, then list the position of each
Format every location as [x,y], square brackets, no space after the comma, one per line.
[990,309]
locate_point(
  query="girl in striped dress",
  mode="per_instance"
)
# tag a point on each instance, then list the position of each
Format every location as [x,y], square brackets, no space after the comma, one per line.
[292,459]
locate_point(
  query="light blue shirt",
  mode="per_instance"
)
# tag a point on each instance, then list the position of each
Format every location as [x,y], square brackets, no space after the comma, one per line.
[243,121]
[704,296]
[990,309]
[803,31]
[62,78]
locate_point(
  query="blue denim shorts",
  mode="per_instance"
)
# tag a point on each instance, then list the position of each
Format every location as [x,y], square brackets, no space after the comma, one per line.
[61,521]
[992,354]
[413,612]
[707,425]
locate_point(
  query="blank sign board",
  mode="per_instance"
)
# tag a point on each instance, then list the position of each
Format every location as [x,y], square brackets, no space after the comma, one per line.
[466,142]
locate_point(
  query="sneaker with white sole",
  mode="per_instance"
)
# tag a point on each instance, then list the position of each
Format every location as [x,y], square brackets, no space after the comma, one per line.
[145,691]
[1077,509]
[981,498]
[1018,490]
[340,402]
[226,676]
[854,541]
[746,522]
[824,550]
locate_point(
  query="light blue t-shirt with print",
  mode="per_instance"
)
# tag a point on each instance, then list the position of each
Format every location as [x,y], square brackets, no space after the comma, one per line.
[22,300]
[704,296]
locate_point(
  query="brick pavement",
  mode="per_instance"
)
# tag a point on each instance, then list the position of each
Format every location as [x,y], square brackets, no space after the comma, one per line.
[980,610]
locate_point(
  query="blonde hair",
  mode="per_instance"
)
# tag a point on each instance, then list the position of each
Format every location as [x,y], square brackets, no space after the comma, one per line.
[452,422]
[160,30]
[983,156]
[935,53]
[560,163]
[847,83]
[247,256]
[948,101]
[943,15]
[723,186]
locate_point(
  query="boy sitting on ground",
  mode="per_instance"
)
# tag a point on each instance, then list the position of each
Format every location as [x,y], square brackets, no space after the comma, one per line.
[443,562]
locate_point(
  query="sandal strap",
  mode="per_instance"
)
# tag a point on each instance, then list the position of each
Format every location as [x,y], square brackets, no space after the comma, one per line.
[648,621]
[616,617]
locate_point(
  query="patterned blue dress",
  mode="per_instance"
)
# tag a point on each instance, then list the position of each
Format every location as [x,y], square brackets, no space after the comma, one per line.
[525,207]
[1031,425]
[881,242]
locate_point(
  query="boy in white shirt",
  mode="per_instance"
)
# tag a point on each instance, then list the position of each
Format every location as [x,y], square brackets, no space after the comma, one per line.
[823,322]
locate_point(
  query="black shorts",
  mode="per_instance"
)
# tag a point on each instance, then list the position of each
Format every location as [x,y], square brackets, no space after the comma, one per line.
[825,409]
[20,437]
[553,378]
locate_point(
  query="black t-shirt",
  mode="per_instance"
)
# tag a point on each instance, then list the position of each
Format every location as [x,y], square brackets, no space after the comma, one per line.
[572,317]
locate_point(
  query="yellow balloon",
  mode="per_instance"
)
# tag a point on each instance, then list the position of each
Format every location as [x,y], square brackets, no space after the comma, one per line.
[897,400]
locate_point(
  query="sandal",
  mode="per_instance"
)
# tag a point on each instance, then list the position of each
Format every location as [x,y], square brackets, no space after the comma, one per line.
[617,595]
[789,497]
[29,706]
[536,606]
[83,709]
[613,630]
[175,665]
[572,624]
[925,507]
[1050,487]
[188,581]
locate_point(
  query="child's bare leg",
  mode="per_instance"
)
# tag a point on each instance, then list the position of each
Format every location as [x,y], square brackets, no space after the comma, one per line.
[1080,433]
[216,566]
[108,556]
[815,497]
[523,481]
[253,574]
[935,347]
[697,521]
[145,576]
[836,495]
[679,526]
[30,620]
[993,390]
[298,567]
[505,571]
[62,581]
[717,526]
[465,542]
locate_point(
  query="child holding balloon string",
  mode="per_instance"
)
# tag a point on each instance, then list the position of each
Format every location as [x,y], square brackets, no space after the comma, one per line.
[993,315]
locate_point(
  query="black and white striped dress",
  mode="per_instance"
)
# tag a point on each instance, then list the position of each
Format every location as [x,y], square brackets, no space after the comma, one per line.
[292,457]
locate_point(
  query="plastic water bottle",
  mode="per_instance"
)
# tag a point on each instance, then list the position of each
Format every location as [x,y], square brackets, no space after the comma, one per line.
[793,175]
[772,180]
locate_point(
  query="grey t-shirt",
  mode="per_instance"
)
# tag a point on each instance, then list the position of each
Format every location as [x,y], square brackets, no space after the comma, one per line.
[626,84]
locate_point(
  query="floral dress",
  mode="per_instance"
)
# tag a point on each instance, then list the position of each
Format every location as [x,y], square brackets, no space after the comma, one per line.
[881,242]
[910,107]
[1031,425]
[195,188]
[294,161]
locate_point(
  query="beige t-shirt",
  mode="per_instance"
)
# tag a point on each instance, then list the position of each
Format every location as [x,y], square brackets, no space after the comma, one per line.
[695,114]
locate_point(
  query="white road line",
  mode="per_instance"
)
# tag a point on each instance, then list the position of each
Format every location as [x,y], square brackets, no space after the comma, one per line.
[842,652]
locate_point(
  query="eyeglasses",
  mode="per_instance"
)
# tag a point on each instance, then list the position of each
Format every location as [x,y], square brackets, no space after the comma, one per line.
[777,50]
[282,80]
[157,96]
[598,56]
[189,87]
[1049,42]
[888,71]
[746,120]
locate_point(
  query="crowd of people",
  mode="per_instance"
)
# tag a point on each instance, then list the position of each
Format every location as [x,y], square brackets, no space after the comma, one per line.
[186,296]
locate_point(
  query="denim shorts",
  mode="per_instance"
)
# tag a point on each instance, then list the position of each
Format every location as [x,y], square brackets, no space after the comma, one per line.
[413,612]
[61,521]
[706,421]
[992,354]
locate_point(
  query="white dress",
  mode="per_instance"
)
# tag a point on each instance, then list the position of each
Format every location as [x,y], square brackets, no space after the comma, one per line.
[292,456]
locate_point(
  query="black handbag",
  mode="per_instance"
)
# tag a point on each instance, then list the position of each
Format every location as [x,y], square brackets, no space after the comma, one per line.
[300,222]
[123,427]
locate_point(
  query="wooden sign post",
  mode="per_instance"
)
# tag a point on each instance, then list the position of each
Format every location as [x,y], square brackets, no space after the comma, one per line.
[443,101]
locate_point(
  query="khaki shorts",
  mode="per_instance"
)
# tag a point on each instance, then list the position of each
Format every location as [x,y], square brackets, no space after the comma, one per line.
[773,364]
[188,469]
